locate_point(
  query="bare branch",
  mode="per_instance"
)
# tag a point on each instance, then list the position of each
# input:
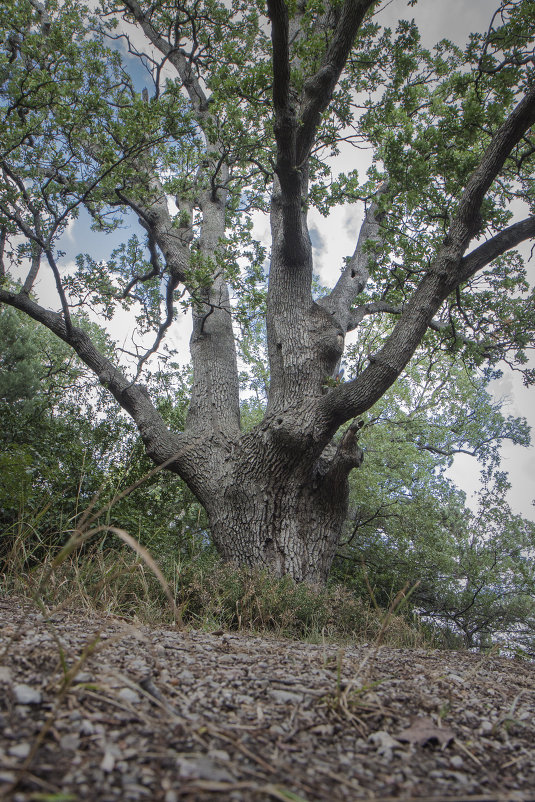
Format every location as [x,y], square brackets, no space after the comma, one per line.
[373,308]
[278,14]
[383,307]
[3,239]
[34,269]
[285,116]
[162,329]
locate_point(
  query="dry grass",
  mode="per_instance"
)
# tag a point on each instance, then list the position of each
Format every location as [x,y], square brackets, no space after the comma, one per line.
[98,566]
[123,579]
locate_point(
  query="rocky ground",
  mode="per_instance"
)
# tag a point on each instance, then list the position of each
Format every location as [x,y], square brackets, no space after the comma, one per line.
[96,708]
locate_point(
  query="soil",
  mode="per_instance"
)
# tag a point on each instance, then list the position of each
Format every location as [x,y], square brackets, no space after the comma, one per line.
[98,708]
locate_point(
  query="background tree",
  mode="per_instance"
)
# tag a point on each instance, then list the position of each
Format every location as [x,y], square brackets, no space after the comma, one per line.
[62,446]
[235,123]
[51,450]
[471,572]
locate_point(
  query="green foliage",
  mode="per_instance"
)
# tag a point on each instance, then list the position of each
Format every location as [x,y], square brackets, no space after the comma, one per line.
[58,452]
[475,570]
[76,129]
[50,446]
[409,523]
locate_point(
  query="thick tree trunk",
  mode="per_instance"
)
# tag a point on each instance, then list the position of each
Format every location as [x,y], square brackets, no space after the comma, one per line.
[280,506]
[288,528]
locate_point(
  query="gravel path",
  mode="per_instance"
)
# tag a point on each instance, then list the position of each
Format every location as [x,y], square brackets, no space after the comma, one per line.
[96,708]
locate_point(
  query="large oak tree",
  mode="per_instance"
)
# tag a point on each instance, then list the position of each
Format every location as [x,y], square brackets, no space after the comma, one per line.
[245,108]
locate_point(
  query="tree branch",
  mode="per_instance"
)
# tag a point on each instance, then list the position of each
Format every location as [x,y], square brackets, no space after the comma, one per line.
[285,125]
[509,238]
[465,224]
[373,308]
[172,284]
[34,269]
[3,240]
[378,307]
[175,55]
[446,272]
[160,443]
[355,275]
[318,89]
[278,15]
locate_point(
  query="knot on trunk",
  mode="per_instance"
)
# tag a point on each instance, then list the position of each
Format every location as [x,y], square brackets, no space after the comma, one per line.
[349,453]
[337,460]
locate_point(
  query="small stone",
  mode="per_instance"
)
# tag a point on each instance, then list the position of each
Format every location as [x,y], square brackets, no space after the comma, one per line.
[383,741]
[87,727]
[457,762]
[285,697]
[128,695]
[201,767]
[26,695]
[485,727]
[107,763]
[69,742]
[186,675]
[20,750]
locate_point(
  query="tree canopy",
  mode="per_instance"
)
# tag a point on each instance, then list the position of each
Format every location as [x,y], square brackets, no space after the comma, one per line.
[189,120]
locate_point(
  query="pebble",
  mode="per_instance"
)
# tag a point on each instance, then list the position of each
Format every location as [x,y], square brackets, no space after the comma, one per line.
[108,762]
[383,741]
[186,675]
[26,695]
[21,750]
[87,727]
[128,695]
[285,697]
[69,742]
